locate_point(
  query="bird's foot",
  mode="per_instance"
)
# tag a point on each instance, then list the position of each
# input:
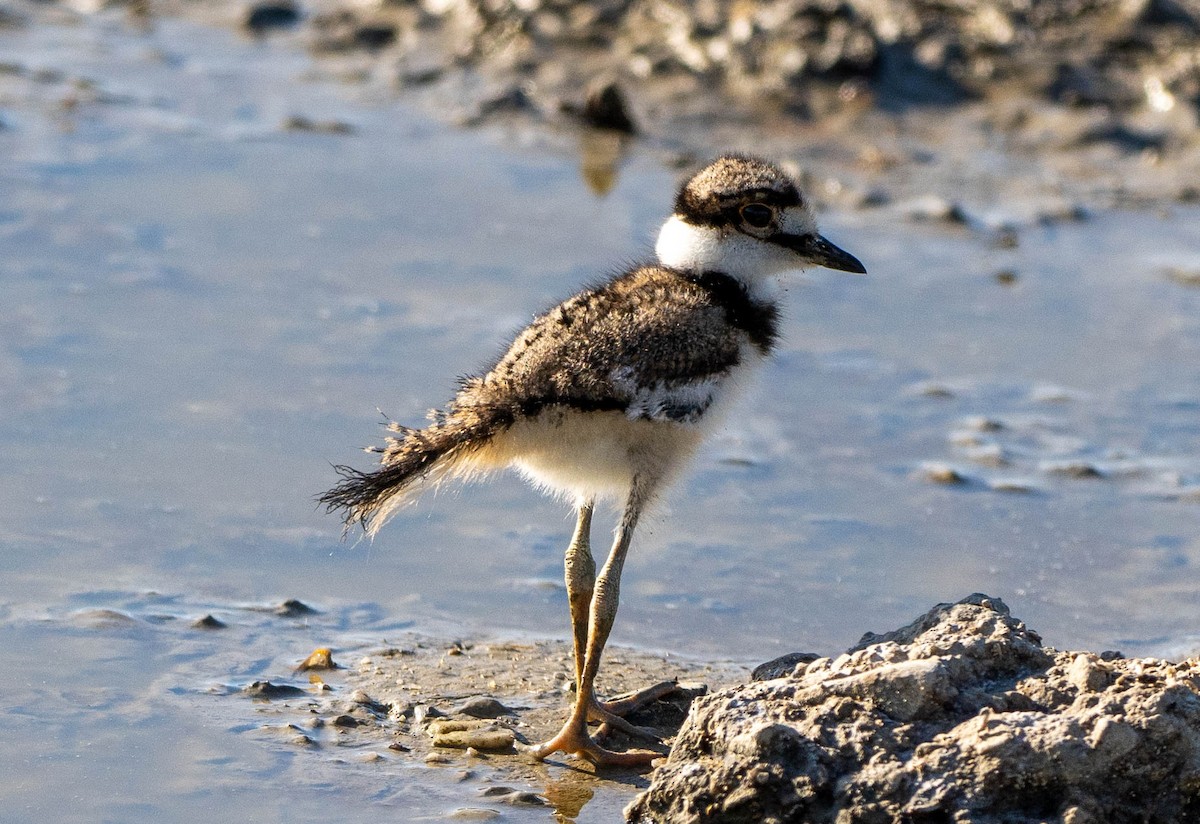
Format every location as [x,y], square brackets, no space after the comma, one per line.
[573,739]
[636,700]
[611,714]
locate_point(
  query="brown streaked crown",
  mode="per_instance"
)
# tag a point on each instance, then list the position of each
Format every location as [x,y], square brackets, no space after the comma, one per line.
[712,196]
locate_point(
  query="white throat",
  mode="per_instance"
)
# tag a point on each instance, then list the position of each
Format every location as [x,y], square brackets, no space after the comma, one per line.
[690,248]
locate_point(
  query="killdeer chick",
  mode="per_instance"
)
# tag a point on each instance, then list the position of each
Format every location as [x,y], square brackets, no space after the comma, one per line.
[606,395]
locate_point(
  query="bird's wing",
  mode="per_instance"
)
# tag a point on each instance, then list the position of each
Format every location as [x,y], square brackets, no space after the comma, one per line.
[650,344]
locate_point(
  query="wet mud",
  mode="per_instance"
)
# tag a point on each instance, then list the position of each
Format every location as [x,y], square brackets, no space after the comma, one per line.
[996,95]
[473,709]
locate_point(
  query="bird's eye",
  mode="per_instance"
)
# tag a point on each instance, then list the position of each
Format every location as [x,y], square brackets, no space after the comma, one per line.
[757,215]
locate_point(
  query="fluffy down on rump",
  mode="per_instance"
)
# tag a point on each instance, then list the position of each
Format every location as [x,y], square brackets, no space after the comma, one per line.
[412,459]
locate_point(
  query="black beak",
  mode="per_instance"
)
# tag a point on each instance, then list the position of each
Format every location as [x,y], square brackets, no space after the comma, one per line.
[816,249]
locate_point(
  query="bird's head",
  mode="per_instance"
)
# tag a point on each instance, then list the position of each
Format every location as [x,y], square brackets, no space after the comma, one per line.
[747,218]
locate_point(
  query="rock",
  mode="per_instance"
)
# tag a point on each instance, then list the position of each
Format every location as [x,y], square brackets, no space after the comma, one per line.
[935,209]
[102,619]
[604,107]
[300,123]
[461,735]
[510,795]
[267,690]
[1187,277]
[266,16]
[292,608]
[940,473]
[962,715]
[481,707]
[1072,469]
[343,31]
[783,665]
[375,36]
[208,622]
[319,659]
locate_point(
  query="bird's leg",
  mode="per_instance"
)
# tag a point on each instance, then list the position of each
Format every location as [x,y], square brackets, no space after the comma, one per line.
[573,737]
[581,582]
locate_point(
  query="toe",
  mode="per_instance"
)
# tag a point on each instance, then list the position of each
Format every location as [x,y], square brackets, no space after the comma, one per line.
[630,703]
[581,745]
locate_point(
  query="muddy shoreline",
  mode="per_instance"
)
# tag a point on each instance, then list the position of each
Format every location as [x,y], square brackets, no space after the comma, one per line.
[471,709]
[879,104]
[964,710]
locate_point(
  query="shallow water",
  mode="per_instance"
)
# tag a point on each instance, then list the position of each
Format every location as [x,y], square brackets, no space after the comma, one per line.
[203,310]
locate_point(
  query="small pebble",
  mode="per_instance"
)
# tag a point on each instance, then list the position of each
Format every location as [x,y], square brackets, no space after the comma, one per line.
[493,741]
[292,608]
[1064,212]
[438,758]
[495,738]
[873,199]
[512,796]
[1073,469]
[474,814]
[966,438]
[393,652]
[981,423]
[266,16]
[1012,485]
[941,474]
[1049,393]
[482,707]
[932,389]
[988,455]
[423,711]
[208,622]
[1186,277]
[320,659]
[934,208]
[604,107]
[102,619]
[265,689]
[374,36]
[300,123]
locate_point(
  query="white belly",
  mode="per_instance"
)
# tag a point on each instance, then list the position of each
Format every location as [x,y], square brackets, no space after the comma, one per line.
[596,455]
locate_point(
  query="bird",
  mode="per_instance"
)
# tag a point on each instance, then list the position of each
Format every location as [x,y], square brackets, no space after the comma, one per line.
[606,396]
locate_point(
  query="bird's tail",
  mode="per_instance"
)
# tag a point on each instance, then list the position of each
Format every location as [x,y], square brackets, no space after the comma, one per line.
[450,447]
